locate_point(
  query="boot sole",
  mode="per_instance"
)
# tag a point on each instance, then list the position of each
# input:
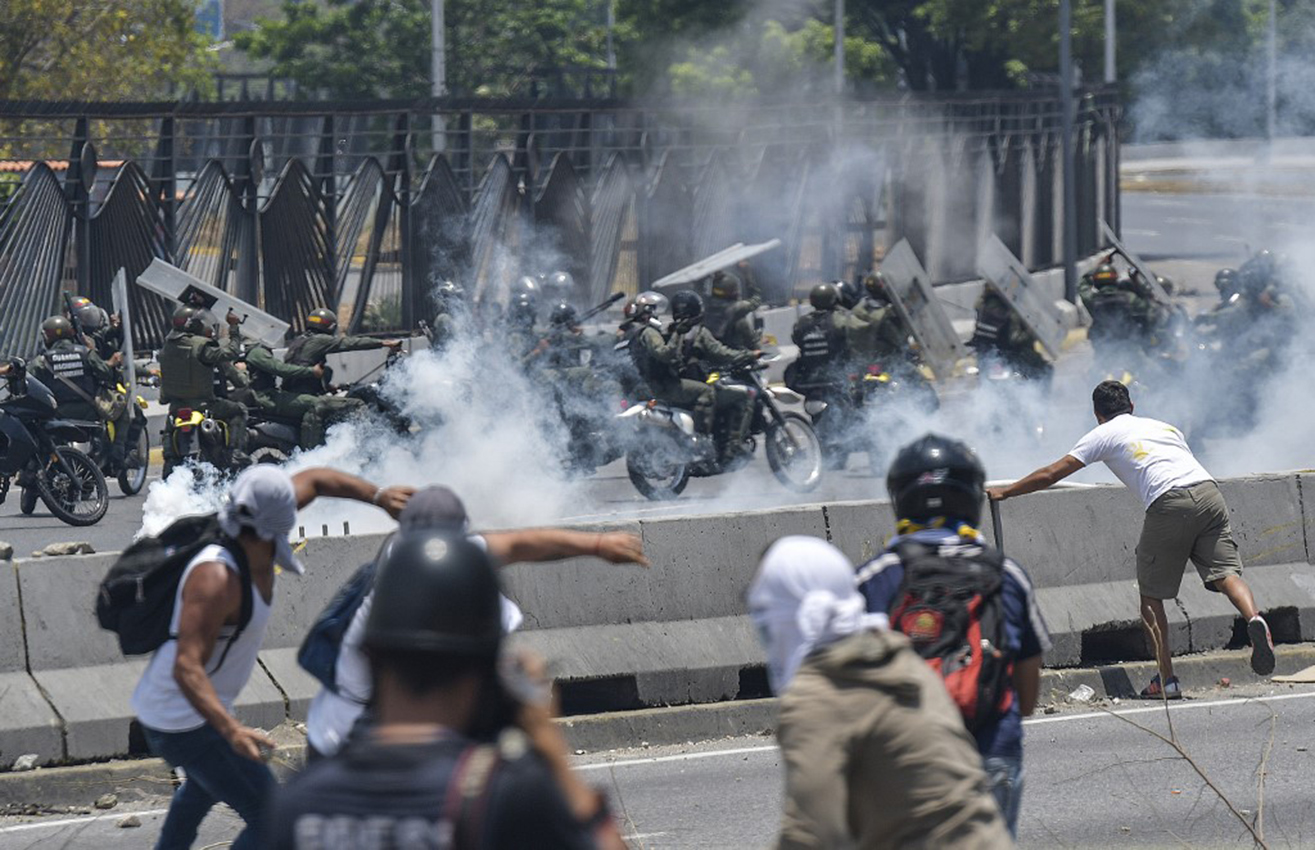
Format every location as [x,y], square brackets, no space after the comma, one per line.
[1262,654]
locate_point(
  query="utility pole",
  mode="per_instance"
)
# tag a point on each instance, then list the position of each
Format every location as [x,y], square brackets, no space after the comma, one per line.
[1110,74]
[438,69]
[840,47]
[1067,160]
[1271,84]
[611,26]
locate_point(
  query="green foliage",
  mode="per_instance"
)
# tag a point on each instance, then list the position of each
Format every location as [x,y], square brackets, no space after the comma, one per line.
[100,49]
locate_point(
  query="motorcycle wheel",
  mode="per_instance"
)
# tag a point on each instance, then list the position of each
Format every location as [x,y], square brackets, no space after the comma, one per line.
[131,481]
[656,485]
[268,454]
[27,500]
[78,499]
[794,453]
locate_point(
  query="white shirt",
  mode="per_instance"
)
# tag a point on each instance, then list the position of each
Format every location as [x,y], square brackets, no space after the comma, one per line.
[1149,456]
[158,702]
[333,714]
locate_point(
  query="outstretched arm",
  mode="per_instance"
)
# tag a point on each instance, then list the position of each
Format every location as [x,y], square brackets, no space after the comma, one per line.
[1046,476]
[535,545]
[313,483]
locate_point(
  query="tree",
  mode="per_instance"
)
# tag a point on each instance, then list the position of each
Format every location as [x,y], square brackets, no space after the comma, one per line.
[100,49]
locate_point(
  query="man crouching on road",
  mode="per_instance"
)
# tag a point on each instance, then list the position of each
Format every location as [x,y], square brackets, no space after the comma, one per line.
[876,754]
[184,700]
[1185,518]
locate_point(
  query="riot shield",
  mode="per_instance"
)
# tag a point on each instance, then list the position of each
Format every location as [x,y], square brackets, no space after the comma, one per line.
[1152,282]
[914,299]
[119,297]
[723,259]
[1010,278]
[177,285]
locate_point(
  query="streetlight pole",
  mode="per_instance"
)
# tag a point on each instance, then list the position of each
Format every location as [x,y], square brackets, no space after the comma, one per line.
[1110,74]
[840,47]
[611,26]
[1070,218]
[1271,84]
[438,69]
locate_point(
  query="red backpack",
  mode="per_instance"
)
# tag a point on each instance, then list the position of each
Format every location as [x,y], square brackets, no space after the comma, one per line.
[950,607]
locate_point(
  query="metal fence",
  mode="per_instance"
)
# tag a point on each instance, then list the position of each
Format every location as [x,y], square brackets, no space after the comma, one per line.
[362,207]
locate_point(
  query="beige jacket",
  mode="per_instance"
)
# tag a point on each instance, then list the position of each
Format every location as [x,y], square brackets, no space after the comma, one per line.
[876,755]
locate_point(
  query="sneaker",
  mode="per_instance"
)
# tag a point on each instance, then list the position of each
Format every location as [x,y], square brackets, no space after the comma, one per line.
[1173,690]
[1262,646]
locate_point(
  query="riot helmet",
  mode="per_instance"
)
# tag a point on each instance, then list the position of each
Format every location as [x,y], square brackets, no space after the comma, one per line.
[686,306]
[182,315]
[522,311]
[875,285]
[848,293]
[1104,275]
[560,284]
[435,591]
[91,317]
[935,476]
[725,286]
[57,328]
[322,321]
[1226,281]
[448,291]
[564,316]
[649,304]
[824,296]
[203,322]
[526,285]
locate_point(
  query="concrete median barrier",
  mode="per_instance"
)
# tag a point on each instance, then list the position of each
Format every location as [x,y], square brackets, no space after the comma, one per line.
[621,637]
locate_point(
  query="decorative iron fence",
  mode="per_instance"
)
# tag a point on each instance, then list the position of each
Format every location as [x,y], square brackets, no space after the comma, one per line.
[362,207]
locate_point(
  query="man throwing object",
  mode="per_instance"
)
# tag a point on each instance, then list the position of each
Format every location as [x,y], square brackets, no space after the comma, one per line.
[1185,518]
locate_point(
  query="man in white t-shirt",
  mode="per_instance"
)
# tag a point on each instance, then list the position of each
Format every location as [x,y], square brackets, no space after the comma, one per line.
[184,701]
[334,712]
[1186,517]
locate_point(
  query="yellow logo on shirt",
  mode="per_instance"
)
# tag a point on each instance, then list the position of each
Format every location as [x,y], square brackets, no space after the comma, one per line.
[1138,451]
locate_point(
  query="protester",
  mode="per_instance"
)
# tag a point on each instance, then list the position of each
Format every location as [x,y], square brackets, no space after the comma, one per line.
[1186,517]
[424,775]
[184,702]
[875,752]
[936,487]
[334,711]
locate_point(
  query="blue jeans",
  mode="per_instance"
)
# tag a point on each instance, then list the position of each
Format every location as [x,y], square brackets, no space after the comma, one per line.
[1004,775]
[215,773]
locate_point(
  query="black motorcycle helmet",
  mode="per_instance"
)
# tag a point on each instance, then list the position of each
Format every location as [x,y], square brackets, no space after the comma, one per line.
[57,328]
[1104,275]
[1226,281]
[437,592]
[725,286]
[935,476]
[686,306]
[824,296]
[322,321]
[564,316]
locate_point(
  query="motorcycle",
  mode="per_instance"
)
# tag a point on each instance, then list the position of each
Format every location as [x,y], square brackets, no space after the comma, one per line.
[131,481]
[271,439]
[854,415]
[35,453]
[665,450]
[195,438]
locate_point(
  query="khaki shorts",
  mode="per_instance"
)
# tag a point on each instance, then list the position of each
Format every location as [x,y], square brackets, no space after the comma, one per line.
[1186,522]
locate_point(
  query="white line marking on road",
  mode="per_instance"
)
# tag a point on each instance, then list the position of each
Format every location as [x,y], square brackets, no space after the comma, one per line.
[1129,231]
[86,819]
[682,757]
[1188,220]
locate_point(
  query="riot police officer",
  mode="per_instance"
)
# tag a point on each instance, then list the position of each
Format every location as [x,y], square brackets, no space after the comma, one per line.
[730,316]
[310,349]
[265,393]
[884,338]
[188,363]
[1002,334]
[77,375]
[824,339]
[521,316]
[1120,313]
[657,359]
[449,298]
[700,352]
[104,330]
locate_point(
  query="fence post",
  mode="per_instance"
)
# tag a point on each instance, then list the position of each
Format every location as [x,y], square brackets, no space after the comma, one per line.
[249,167]
[401,163]
[165,177]
[76,186]
[324,175]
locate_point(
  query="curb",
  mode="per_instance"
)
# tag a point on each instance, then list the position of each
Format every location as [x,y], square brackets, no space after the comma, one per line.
[137,779]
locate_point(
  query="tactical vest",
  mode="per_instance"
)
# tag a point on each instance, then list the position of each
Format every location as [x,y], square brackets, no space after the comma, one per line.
[309,349]
[261,381]
[69,361]
[183,377]
[992,322]
[651,372]
[821,343]
[1112,314]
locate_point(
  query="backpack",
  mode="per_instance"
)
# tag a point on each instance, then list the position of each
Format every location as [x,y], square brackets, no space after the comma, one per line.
[136,599]
[319,652]
[950,608]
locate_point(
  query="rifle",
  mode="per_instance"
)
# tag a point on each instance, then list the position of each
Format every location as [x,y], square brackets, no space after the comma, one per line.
[594,311]
[73,318]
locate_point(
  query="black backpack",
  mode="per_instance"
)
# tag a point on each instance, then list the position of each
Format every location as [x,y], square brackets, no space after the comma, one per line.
[136,599]
[323,644]
[951,609]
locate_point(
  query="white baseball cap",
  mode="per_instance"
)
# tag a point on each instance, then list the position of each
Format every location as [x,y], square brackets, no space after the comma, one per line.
[264,500]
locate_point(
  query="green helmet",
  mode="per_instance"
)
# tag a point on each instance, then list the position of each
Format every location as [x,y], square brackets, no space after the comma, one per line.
[322,321]
[56,328]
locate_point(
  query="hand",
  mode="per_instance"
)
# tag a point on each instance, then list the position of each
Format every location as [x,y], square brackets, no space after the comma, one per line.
[619,547]
[394,344]
[240,366]
[116,320]
[393,499]
[116,358]
[996,494]
[232,318]
[251,743]
[318,369]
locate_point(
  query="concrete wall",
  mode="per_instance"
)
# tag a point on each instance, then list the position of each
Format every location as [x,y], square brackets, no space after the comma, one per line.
[621,636]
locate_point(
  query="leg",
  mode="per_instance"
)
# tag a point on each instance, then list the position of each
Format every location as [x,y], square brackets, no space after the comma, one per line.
[1239,594]
[1162,552]
[191,802]
[1004,776]
[1156,625]
[1217,561]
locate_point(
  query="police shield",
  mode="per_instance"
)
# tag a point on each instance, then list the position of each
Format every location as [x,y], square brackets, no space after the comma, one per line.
[119,297]
[1010,278]
[1152,282]
[911,292]
[723,259]
[177,285]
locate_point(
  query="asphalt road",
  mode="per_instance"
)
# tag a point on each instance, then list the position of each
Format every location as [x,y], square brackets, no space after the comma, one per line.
[1227,227]
[1093,781]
